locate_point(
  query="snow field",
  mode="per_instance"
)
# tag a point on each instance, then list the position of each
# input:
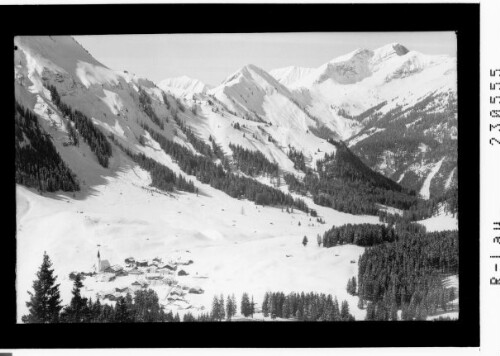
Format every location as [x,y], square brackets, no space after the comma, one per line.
[425,190]
[240,246]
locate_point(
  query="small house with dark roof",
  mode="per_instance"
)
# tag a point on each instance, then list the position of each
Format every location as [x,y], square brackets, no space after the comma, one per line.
[141,263]
[130,260]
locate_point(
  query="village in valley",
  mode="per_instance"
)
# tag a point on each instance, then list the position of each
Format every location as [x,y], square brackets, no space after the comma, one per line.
[172,279]
[251,188]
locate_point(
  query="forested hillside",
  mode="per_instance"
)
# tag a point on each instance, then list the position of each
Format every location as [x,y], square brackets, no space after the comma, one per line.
[346,184]
[38,164]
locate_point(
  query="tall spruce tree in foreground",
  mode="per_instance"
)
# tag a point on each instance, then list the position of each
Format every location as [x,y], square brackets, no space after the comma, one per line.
[45,302]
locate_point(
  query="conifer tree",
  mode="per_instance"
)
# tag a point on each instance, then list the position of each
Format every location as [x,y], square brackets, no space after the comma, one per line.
[344,312]
[95,311]
[122,314]
[146,306]
[361,304]
[349,286]
[370,311]
[380,311]
[394,311]
[420,313]
[245,305]
[234,304]
[442,300]
[452,294]
[222,313]
[405,315]
[215,309]
[77,311]
[265,305]
[44,305]
[230,307]
[336,309]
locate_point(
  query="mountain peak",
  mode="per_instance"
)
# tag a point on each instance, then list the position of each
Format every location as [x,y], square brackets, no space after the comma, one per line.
[249,68]
[291,74]
[183,85]
[246,71]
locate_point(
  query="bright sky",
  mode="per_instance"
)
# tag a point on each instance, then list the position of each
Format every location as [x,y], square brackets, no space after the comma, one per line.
[213,57]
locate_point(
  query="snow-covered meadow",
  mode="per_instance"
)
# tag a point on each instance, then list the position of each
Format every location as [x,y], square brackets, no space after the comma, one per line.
[239,246]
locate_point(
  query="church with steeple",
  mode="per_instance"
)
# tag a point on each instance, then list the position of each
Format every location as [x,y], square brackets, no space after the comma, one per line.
[101,265]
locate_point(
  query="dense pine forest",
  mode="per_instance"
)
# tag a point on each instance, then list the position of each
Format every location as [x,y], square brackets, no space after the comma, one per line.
[358,234]
[407,274]
[305,307]
[91,134]
[162,177]
[294,184]
[408,132]
[403,268]
[253,163]
[209,172]
[38,164]
[424,209]
[346,184]
[370,234]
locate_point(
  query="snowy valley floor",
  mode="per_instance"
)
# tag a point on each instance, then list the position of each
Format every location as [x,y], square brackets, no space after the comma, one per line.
[238,246]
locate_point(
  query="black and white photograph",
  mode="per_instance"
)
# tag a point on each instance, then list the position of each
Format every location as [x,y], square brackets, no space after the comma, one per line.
[236,177]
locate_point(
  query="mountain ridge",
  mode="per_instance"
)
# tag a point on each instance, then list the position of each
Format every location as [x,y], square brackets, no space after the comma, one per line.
[270,116]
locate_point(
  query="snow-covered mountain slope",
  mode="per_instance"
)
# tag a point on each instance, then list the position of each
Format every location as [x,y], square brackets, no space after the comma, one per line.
[414,145]
[364,78]
[118,209]
[111,99]
[291,74]
[183,86]
[254,95]
[398,107]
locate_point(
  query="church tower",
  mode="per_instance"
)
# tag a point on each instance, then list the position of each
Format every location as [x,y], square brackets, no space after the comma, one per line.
[98,269]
